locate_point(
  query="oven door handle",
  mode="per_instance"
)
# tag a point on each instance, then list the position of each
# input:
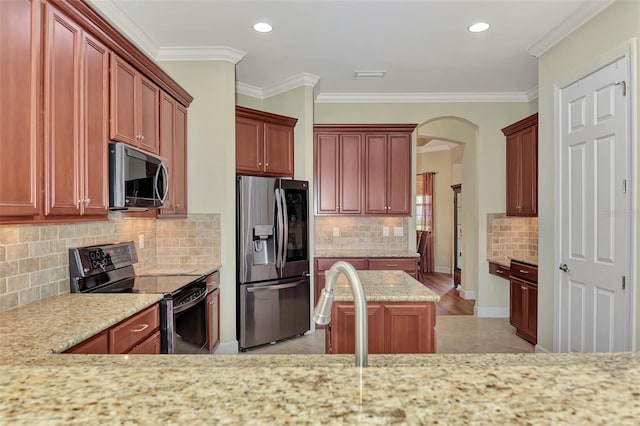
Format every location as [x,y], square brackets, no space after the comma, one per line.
[190,304]
[273,287]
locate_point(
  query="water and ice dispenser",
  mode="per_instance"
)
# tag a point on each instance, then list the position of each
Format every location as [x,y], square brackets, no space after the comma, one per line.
[262,241]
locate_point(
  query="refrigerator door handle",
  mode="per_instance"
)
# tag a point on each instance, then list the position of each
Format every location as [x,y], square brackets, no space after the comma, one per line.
[273,287]
[285,220]
[280,229]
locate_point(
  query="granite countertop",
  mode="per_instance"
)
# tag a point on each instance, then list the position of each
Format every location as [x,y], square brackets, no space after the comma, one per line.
[40,387]
[197,270]
[342,253]
[530,260]
[385,286]
[501,261]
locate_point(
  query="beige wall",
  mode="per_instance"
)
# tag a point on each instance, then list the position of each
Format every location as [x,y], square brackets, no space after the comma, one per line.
[211,166]
[573,58]
[483,172]
[440,163]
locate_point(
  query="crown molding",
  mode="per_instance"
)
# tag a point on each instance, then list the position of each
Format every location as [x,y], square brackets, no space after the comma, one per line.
[352,98]
[585,12]
[111,12]
[200,53]
[532,93]
[299,80]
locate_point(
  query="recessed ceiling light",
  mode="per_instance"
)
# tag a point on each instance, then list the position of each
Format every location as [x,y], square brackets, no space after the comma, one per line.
[262,27]
[479,27]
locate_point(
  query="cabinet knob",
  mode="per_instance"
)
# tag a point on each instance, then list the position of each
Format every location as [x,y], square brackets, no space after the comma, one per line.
[87,201]
[259,163]
[266,164]
[142,137]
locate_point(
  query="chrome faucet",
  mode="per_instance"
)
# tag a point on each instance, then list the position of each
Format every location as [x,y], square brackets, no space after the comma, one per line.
[322,314]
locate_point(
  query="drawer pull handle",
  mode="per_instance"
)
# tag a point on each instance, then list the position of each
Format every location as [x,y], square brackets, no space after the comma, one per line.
[499,271]
[392,264]
[522,271]
[141,328]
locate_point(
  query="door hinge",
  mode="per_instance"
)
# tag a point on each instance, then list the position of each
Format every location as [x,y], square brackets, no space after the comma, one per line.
[624,282]
[624,186]
[624,86]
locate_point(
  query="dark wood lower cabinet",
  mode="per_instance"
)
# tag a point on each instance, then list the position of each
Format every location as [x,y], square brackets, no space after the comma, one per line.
[523,312]
[393,327]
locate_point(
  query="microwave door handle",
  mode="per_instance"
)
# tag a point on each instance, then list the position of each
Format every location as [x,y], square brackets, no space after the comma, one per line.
[165,174]
[155,182]
[285,220]
[279,228]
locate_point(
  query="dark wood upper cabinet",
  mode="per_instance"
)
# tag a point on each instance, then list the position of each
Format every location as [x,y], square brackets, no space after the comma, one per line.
[264,143]
[20,109]
[135,103]
[522,167]
[363,169]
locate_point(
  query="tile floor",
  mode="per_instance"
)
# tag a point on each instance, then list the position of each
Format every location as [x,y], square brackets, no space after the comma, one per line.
[456,334]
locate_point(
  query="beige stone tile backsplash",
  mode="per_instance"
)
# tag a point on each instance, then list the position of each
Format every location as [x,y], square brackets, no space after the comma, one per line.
[360,233]
[509,236]
[34,259]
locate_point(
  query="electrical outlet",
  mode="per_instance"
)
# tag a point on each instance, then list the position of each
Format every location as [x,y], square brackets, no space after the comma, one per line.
[336,231]
[385,231]
[141,241]
[398,231]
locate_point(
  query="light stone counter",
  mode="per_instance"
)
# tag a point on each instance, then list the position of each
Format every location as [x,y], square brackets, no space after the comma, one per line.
[385,286]
[341,253]
[39,387]
[196,270]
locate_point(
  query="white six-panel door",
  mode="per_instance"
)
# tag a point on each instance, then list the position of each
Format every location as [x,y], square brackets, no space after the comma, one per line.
[595,212]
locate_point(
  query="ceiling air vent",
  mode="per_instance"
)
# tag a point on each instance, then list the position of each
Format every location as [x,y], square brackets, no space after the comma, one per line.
[369,75]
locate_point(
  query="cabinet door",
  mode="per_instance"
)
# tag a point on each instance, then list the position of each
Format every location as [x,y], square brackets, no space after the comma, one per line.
[213,325]
[149,346]
[399,175]
[528,188]
[409,328]
[134,330]
[167,135]
[95,126]
[516,302]
[20,110]
[326,173]
[408,265]
[180,162]
[249,146]
[98,344]
[148,115]
[278,150]
[123,102]
[376,174]
[62,111]
[513,173]
[531,320]
[344,325]
[350,177]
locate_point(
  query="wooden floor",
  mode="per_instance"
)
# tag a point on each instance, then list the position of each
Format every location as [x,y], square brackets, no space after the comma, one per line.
[451,303]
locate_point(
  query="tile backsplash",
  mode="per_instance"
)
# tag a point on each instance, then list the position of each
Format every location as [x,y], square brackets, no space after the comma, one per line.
[34,259]
[509,236]
[360,233]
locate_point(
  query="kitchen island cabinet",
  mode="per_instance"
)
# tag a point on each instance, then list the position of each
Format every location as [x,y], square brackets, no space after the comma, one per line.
[401,312]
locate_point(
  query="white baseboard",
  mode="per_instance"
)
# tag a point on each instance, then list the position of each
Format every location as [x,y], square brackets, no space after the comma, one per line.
[468,295]
[492,312]
[442,269]
[227,348]
[541,350]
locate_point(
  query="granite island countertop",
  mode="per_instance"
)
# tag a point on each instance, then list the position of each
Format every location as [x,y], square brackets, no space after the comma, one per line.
[40,387]
[359,253]
[385,286]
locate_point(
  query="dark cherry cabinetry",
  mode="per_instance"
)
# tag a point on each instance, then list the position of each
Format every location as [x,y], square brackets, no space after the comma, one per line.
[523,311]
[213,311]
[522,167]
[75,109]
[363,169]
[135,103]
[264,143]
[393,328]
[173,146]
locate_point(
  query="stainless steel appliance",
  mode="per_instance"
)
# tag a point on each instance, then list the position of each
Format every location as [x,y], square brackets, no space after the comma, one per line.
[183,312]
[273,259]
[137,180]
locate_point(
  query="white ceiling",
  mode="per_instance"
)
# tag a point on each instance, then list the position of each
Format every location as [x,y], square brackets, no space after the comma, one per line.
[423,45]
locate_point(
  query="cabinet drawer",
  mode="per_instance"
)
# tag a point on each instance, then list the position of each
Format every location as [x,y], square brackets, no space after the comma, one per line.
[94,345]
[150,346]
[499,270]
[397,264]
[134,329]
[325,263]
[524,272]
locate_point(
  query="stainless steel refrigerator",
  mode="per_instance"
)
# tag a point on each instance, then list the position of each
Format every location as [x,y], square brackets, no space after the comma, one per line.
[272,232]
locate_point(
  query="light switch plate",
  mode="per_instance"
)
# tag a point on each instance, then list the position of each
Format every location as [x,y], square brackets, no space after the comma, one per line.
[385,231]
[398,231]
[336,231]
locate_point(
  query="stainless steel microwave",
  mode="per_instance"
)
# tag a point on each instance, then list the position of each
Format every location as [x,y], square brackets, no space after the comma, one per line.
[137,180]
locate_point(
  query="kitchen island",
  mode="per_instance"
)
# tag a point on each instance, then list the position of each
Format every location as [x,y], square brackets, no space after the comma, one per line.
[38,386]
[401,313]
